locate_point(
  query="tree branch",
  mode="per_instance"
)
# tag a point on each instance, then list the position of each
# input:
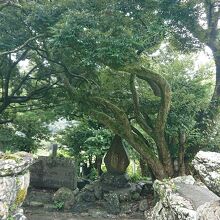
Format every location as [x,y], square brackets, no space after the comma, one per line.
[136,131]
[21,46]
[165,92]
[137,112]
[23,80]
[105,120]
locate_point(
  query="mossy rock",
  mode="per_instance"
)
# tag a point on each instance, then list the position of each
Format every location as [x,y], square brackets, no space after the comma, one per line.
[21,195]
[12,164]
[63,194]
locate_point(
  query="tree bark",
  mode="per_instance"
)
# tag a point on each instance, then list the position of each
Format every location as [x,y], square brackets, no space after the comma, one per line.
[157,131]
[117,120]
[144,168]
[215,102]
[98,165]
[163,153]
[153,162]
[181,161]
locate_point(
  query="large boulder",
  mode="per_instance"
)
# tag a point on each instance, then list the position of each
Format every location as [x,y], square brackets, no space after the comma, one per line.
[183,198]
[14,182]
[207,166]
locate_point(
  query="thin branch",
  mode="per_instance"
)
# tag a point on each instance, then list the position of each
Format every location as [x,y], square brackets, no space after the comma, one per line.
[21,46]
[23,80]
[135,130]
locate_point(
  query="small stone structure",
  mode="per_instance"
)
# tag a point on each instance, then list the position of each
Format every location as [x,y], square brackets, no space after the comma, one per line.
[207,166]
[14,182]
[116,162]
[53,173]
[183,198]
[116,159]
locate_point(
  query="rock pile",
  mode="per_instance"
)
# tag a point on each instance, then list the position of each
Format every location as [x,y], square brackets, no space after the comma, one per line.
[126,198]
[183,198]
[14,182]
[186,199]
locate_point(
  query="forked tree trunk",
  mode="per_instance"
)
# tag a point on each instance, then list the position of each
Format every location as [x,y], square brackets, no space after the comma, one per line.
[157,168]
[166,160]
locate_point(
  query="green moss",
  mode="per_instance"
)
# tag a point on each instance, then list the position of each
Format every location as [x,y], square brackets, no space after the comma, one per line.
[21,194]
[11,157]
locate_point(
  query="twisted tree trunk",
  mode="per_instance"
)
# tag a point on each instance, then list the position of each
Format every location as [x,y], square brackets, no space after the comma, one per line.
[160,162]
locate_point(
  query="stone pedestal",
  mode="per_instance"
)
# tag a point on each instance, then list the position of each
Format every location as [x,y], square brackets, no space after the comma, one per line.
[114,181]
[53,173]
[14,182]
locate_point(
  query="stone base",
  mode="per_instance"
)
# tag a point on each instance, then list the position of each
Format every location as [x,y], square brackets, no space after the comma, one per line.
[114,181]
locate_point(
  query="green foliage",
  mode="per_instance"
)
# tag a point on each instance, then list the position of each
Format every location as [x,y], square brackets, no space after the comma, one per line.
[191,95]
[79,40]
[24,134]
[136,177]
[93,174]
[99,32]
[184,19]
[59,205]
[64,153]
[86,140]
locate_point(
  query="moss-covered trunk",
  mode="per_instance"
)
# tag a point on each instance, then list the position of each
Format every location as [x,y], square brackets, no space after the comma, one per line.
[164,154]
[215,102]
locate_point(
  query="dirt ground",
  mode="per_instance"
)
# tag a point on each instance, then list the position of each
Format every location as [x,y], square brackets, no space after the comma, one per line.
[40,214]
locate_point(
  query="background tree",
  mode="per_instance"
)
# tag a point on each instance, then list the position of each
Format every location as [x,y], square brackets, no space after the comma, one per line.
[25,133]
[24,75]
[88,143]
[194,24]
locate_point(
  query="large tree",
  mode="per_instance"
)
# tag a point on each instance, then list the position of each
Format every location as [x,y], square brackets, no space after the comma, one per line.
[25,80]
[25,77]
[80,41]
[92,36]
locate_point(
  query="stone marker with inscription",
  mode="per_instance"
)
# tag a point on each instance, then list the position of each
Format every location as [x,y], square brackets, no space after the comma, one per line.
[54,173]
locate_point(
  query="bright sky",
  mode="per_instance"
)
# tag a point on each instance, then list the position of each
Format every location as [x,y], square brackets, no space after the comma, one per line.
[204,57]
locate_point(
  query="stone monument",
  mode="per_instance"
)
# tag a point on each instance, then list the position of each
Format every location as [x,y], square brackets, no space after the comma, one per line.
[116,162]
